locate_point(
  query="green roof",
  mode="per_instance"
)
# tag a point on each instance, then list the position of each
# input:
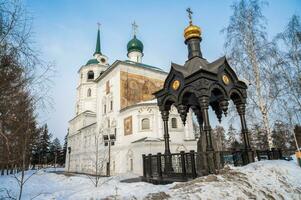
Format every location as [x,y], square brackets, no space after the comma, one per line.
[135,45]
[97,49]
[92,61]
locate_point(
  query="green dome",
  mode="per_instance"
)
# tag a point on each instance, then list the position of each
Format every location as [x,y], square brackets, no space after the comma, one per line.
[135,45]
[92,61]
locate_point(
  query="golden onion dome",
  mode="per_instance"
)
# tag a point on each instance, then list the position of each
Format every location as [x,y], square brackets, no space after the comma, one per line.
[192,31]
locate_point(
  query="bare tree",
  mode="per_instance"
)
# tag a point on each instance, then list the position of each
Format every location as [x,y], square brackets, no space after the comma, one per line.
[23,79]
[98,157]
[289,42]
[249,51]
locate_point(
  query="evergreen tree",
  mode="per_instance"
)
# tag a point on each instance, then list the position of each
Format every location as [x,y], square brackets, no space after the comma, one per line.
[65,149]
[259,137]
[55,149]
[44,145]
[233,139]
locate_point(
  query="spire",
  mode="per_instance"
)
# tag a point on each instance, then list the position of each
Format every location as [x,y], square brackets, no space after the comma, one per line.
[97,49]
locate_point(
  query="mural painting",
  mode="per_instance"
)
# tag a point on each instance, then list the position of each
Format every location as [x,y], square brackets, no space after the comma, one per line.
[136,88]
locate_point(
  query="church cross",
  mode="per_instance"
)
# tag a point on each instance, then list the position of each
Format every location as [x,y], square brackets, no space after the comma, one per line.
[135,28]
[98,24]
[189,15]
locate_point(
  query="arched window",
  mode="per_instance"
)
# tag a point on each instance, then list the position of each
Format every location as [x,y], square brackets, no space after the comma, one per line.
[174,123]
[145,124]
[90,75]
[89,92]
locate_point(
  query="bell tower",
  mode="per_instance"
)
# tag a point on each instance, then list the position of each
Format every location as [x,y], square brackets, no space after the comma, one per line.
[88,73]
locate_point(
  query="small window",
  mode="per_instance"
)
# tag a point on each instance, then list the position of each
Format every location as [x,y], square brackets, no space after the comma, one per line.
[108,123]
[145,124]
[90,75]
[111,105]
[104,108]
[89,92]
[174,123]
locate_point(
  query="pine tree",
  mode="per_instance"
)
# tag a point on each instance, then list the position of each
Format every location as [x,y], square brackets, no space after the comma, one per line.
[44,145]
[260,139]
[65,149]
[233,139]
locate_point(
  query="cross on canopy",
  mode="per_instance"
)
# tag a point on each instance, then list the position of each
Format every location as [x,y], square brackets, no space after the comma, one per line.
[189,11]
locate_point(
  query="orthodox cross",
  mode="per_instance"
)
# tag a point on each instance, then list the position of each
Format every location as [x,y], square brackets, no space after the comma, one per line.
[98,24]
[189,15]
[134,27]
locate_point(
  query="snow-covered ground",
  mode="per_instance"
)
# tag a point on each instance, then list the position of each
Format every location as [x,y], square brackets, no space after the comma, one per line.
[261,180]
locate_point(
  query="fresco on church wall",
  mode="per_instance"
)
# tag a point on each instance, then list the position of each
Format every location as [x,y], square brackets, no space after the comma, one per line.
[128,126]
[136,88]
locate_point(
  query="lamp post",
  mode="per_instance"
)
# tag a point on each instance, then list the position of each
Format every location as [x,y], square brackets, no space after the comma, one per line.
[108,141]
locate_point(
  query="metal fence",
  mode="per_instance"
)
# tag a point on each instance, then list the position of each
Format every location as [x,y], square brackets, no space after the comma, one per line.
[182,166]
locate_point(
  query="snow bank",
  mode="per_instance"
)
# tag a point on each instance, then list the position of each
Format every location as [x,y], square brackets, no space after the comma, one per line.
[260,180]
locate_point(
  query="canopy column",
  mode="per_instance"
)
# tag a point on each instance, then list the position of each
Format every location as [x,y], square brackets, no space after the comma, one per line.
[241,109]
[165,117]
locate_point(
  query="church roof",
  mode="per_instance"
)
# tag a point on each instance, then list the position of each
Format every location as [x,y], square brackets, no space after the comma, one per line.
[92,61]
[97,49]
[135,45]
[143,65]
[127,62]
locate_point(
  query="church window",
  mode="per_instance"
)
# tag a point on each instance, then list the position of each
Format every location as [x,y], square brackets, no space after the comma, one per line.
[108,123]
[145,124]
[107,87]
[111,105]
[104,109]
[90,75]
[89,92]
[174,123]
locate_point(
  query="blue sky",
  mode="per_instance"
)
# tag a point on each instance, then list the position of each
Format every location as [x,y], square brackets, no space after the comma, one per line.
[65,32]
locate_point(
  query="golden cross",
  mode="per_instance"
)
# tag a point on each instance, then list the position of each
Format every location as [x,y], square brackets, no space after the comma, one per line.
[134,27]
[189,15]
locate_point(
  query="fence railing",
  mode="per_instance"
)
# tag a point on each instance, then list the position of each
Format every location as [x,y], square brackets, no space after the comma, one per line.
[183,165]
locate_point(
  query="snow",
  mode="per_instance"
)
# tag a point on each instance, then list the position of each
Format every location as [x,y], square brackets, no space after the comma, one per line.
[275,179]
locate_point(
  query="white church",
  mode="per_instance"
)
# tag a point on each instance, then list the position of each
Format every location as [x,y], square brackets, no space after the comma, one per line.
[116,116]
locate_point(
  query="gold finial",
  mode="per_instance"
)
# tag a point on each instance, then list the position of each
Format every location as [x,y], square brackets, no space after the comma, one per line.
[191,31]
[189,15]
[134,28]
